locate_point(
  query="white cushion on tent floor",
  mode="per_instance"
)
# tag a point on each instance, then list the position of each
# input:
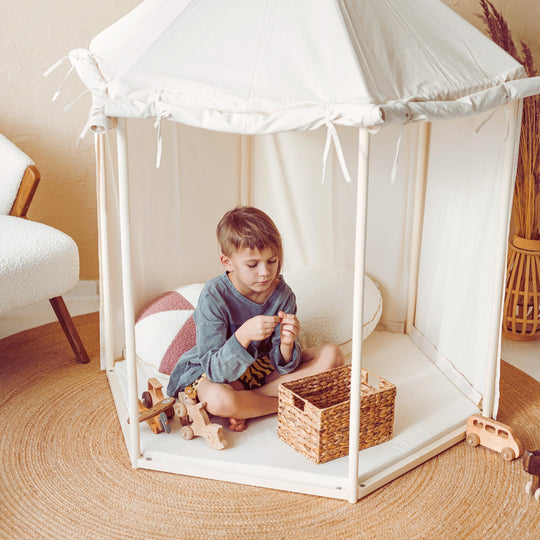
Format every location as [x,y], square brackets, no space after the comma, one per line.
[428,406]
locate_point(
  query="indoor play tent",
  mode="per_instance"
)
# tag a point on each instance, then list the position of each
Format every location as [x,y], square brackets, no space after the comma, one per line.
[381,136]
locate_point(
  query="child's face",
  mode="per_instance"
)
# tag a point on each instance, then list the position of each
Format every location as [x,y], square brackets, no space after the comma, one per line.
[252,272]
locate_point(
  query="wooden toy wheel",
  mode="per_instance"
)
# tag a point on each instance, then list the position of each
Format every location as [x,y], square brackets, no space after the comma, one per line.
[473,439]
[147,400]
[508,454]
[180,409]
[187,399]
[187,433]
[528,489]
[170,413]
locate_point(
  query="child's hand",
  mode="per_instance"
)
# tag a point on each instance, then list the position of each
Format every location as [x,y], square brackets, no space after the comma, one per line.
[290,328]
[256,329]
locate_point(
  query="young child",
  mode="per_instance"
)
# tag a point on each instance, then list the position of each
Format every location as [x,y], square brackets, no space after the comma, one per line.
[247,327]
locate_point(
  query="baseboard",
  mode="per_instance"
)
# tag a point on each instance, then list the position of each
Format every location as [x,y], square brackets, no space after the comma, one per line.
[82,299]
[395,327]
[85,289]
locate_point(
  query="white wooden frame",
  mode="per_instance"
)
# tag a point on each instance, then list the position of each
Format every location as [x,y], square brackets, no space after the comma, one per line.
[353,491]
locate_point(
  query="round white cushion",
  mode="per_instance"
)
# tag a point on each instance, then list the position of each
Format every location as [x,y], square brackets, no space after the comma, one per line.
[37,262]
[324,296]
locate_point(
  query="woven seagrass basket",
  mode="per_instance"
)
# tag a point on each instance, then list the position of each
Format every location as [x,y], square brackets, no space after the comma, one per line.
[313,413]
[521,321]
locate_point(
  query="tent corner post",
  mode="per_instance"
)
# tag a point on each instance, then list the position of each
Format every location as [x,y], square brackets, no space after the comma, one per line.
[105,309]
[127,290]
[422,165]
[358,303]
[490,401]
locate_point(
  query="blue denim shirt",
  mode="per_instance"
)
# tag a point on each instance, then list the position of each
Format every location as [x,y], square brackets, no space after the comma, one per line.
[221,310]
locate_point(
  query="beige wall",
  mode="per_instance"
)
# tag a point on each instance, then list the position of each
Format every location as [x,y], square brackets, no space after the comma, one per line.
[522,16]
[35,35]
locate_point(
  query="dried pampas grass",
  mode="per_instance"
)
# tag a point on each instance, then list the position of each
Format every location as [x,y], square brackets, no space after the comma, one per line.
[527,188]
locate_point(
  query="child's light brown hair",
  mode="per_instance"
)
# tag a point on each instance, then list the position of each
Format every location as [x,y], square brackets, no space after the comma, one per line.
[248,227]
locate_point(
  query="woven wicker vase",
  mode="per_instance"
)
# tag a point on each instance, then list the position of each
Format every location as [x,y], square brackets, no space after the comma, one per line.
[521,320]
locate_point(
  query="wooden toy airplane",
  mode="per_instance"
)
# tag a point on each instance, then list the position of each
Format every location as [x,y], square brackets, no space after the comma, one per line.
[155,409]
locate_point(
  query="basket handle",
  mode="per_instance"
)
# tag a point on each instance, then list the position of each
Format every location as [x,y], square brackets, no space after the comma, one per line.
[372,380]
[299,403]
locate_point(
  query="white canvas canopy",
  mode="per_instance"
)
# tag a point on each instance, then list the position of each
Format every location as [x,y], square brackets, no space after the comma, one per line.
[435,238]
[267,67]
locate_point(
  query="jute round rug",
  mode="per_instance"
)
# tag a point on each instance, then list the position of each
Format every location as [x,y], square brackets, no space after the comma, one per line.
[65,472]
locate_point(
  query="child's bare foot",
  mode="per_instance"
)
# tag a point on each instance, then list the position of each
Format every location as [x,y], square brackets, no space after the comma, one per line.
[237,424]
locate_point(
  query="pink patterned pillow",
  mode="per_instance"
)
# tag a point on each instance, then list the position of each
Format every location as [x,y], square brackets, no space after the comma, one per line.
[165,329]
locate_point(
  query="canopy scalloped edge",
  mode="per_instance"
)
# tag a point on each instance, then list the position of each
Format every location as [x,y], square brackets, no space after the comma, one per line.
[279,117]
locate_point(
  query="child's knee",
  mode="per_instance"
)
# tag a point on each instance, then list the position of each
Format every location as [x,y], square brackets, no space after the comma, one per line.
[331,356]
[221,401]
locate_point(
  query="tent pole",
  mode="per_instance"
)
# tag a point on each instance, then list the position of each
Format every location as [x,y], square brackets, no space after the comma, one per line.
[358,307]
[127,290]
[104,263]
[489,405]
[422,162]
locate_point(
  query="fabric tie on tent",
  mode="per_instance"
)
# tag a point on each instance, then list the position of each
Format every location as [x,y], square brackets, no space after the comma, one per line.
[491,115]
[83,63]
[98,121]
[332,136]
[157,125]
[52,68]
[393,174]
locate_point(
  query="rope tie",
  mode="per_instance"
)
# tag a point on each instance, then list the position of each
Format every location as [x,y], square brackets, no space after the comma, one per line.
[332,137]
[492,114]
[52,68]
[393,174]
[55,66]
[69,105]
[157,125]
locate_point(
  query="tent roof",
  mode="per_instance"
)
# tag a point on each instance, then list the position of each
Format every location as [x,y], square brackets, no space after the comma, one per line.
[263,66]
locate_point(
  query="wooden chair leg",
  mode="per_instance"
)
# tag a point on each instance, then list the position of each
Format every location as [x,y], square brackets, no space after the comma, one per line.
[69,329]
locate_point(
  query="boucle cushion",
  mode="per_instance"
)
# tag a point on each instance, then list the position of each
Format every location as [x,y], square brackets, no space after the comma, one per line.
[324,296]
[14,162]
[165,328]
[37,262]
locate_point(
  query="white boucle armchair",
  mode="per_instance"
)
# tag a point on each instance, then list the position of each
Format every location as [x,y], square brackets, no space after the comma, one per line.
[37,262]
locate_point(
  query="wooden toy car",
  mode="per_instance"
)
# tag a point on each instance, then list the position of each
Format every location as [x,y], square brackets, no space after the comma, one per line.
[155,409]
[188,409]
[531,464]
[494,435]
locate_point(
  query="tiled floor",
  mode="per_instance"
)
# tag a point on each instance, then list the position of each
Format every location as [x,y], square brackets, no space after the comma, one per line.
[523,355]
